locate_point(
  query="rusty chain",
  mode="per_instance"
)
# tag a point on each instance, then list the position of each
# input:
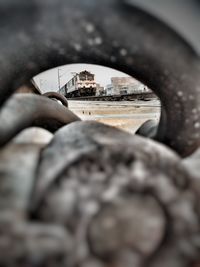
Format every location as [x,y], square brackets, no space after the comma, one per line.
[85,194]
[128,39]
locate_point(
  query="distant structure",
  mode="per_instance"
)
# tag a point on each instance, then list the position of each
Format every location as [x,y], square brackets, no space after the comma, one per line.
[125,85]
[110,90]
[100,90]
[82,84]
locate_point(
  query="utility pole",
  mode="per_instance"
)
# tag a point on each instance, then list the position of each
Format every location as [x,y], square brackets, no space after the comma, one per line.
[60,76]
[59,79]
[42,83]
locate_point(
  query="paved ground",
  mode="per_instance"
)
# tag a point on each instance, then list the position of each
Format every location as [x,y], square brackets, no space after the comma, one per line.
[127,115]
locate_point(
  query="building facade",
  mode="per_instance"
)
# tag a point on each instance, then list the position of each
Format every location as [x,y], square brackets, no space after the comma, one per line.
[100,90]
[125,85]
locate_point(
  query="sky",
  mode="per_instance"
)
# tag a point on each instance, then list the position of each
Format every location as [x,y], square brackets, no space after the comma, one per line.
[48,80]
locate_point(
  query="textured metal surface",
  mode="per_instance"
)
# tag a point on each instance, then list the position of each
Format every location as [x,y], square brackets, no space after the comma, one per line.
[148,129]
[80,202]
[33,135]
[56,33]
[26,110]
[16,182]
[181,15]
[122,209]
[57,96]
[96,196]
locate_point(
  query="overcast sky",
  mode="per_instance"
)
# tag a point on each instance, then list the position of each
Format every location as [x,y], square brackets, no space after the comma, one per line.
[48,81]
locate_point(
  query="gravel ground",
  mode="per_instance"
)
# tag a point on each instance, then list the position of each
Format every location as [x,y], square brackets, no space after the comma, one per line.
[126,115]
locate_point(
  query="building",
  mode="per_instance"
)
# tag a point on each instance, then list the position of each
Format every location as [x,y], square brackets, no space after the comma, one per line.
[110,89]
[125,85]
[99,90]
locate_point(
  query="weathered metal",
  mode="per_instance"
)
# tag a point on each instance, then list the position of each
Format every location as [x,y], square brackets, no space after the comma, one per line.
[30,88]
[135,208]
[26,110]
[18,165]
[128,38]
[148,129]
[181,15]
[80,201]
[33,135]
[32,243]
[97,196]
[57,96]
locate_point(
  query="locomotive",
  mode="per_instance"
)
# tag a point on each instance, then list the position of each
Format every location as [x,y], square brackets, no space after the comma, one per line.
[82,84]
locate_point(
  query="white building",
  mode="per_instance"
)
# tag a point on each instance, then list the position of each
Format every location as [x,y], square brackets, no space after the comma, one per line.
[125,85]
[110,89]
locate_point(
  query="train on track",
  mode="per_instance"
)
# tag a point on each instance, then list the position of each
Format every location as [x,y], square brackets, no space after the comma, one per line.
[82,84]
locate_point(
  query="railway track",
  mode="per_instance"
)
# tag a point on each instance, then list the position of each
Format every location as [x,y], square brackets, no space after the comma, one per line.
[129,97]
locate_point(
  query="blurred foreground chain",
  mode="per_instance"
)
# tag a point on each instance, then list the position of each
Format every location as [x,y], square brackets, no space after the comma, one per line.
[96,196]
[26,110]
[58,97]
[126,35]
